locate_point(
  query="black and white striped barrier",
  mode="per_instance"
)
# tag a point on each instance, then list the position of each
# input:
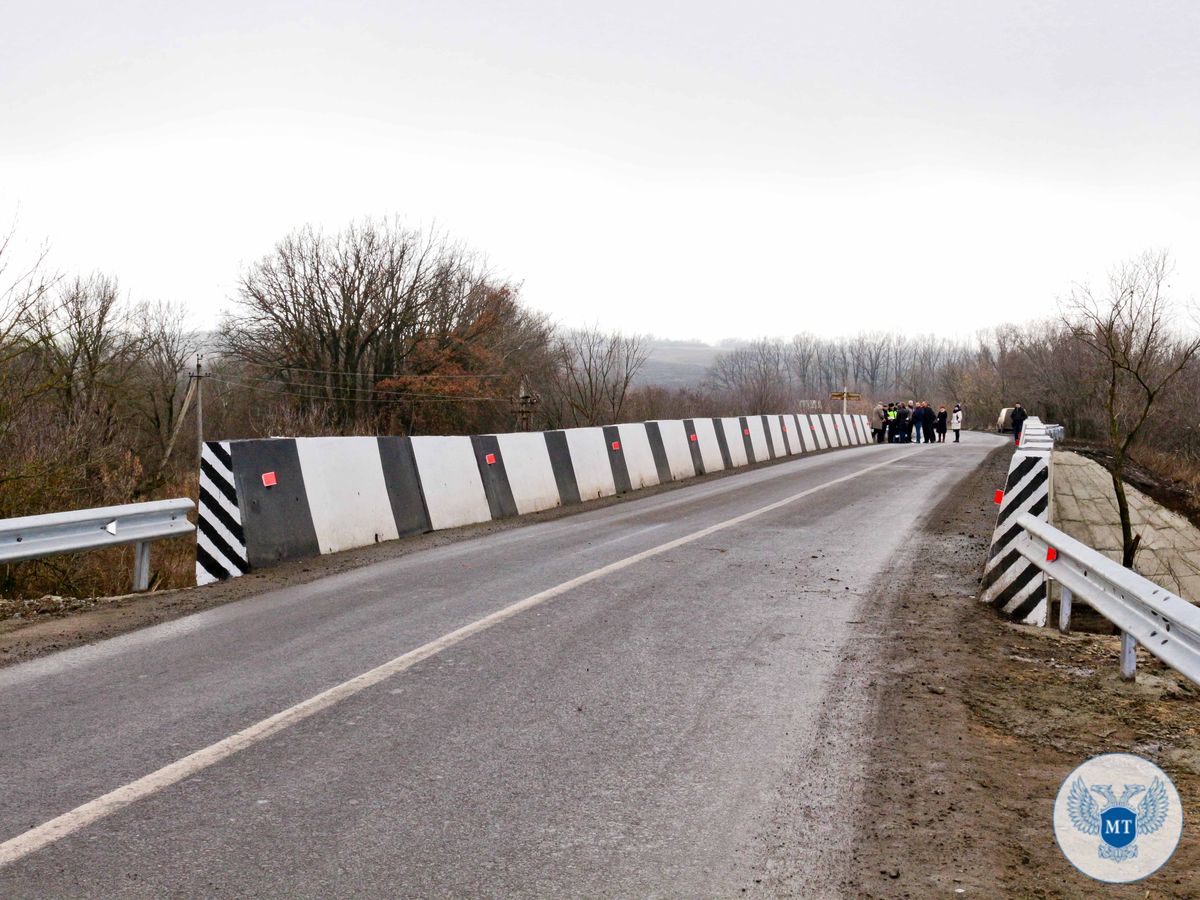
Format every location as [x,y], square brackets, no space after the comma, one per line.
[265,501]
[1011,583]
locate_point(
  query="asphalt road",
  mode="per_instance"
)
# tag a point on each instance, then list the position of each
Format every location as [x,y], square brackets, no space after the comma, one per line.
[675,725]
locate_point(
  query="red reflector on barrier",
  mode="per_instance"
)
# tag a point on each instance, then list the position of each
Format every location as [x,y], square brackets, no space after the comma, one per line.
[1051,554]
[490,459]
[999,498]
[745,431]
[692,438]
[785,428]
[269,479]
[616,445]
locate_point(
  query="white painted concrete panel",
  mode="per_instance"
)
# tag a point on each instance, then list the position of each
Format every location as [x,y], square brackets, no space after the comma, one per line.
[347,496]
[795,440]
[735,441]
[758,438]
[710,449]
[776,432]
[530,475]
[639,458]
[450,481]
[675,440]
[589,455]
[809,442]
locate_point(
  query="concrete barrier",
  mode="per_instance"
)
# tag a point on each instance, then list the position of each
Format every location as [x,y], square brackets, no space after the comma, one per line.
[347,496]
[791,435]
[775,436]
[707,444]
[682,451]
[530,475]
[736,441]
[590,458]
[832,431]
[450,481]
[1011,583]
[808,437]
[758,438]
[266,501]
[639,458]
[817,430]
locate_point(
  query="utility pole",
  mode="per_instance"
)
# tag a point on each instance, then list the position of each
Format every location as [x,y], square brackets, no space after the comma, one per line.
[198,380]
[523,405]
[845,394]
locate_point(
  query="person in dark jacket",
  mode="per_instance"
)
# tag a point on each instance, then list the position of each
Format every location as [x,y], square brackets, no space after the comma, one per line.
[930,421]
[903,429]
[1018,421]
[918,422]
[940,424]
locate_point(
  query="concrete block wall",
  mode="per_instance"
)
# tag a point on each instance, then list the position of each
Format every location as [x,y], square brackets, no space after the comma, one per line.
[266,501]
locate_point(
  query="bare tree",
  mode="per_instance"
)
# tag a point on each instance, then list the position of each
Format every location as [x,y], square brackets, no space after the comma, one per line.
[1131,329]
[754,379]
[596,371]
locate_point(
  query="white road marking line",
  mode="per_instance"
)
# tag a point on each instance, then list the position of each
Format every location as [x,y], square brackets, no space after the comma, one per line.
[68,823]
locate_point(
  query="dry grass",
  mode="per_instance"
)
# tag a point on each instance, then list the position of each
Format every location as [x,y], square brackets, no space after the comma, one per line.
[100,573]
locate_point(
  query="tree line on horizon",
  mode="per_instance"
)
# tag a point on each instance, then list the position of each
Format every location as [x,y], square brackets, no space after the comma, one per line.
[382,329]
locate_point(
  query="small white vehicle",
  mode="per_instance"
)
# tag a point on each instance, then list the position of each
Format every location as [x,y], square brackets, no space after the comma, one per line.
[1004,423]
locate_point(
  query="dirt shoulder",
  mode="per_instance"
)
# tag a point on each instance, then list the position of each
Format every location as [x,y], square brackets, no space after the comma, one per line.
[49,624]
[979,721]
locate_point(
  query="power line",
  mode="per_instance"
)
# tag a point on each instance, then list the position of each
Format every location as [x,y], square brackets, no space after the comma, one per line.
[380,377]
[402,395]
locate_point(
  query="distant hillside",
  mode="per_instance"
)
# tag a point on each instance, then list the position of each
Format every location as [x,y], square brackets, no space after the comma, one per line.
[677,363]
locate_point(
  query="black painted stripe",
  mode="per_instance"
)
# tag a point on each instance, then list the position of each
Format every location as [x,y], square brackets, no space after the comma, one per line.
[1036,483]
[211,508]
[215,538]
[1016,586]
[719,428]
[220,453]
[745,426]
[689,429]
[1019,472]
[616,459]
[403,483]
[205,560]
[766,424]
[494,476]
[277,520]
[787,435]
[1029,604]
[659,452]
[222,482]
[995,574]
[564,469]
[1007,538]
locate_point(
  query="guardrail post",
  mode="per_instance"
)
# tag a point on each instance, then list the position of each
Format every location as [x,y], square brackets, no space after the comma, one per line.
[141,566]
[1064,609]
[1128,657]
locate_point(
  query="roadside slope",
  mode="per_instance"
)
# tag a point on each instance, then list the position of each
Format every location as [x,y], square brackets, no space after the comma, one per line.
[978,722]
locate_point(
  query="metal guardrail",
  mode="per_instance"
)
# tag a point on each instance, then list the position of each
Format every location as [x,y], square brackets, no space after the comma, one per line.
[33,537]
[1147,614]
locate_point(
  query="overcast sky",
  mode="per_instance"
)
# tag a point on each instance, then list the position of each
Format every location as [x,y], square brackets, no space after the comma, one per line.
[690,169]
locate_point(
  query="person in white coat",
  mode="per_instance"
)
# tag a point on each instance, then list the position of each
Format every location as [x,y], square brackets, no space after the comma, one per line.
[956,420]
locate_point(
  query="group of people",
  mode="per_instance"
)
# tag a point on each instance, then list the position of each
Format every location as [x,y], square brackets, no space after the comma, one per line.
[914,422]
